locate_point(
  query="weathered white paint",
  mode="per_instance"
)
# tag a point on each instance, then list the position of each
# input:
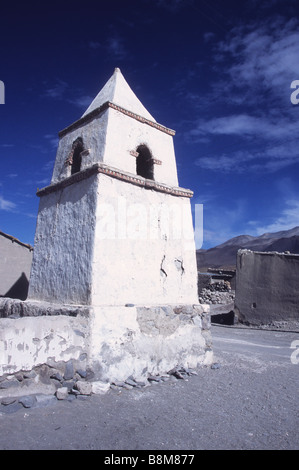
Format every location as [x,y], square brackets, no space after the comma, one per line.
[125,342]
[125,134]
[94,138]
[109,138]
[103,241]
[64,243]
[31,341]
[143,252]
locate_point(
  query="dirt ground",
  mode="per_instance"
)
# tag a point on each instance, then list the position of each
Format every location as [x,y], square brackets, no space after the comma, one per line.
[249,402]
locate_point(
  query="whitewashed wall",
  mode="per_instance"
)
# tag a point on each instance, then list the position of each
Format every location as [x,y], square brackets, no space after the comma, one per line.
[144,247]
[63,246]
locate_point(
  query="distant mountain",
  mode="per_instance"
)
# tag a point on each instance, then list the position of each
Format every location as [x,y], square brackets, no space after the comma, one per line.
[225,254]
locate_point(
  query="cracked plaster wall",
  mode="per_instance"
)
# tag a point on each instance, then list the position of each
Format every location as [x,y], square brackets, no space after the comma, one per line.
[148,340]
[30,341]
[144,247]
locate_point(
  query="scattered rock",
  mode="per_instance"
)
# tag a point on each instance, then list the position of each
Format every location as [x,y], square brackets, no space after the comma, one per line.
[44,400]
[57,376]
[69,370]
[114,387]
[99,388]
[30,375]
[82,373]
[9,383]
[131,382]
[12,408]
[7,401]
[69,384]
[216,365]
[181,372]
[84,388]
[118,383]
[127,386]
[154,378]
[62,393]
[28,401]
[141,383]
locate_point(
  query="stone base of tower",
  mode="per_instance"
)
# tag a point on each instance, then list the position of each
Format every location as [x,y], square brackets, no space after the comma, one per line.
[150,340]
[108,343]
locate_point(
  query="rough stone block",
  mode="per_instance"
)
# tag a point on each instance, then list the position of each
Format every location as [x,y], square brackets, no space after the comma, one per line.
[84,388]
[100,388]
[28,401]
[62,393]
[69,370]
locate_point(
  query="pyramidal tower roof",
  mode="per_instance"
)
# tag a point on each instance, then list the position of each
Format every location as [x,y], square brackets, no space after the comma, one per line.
[117,91]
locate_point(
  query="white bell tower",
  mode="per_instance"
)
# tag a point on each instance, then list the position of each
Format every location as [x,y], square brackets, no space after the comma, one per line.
[114,232]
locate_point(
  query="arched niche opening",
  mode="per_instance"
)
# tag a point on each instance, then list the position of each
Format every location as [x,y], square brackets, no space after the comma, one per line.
[77,148]
[144,162]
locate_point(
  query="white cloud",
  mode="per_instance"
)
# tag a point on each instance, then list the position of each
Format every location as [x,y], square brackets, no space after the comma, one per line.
[6,205]
[221,223]
[57,90]
[115,46]
[52,139]
[246,125]
[264,59]
[258,63]
[268,158]
[287,219]
[81,101]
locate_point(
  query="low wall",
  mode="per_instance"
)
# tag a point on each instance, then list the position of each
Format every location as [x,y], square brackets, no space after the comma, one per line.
[106,343]
[267,288]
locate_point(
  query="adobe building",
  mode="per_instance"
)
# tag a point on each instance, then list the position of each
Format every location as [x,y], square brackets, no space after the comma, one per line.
[267,289]
[114,274]
[16,258]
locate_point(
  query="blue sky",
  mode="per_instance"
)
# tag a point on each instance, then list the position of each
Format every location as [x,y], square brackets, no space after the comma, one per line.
[219,73]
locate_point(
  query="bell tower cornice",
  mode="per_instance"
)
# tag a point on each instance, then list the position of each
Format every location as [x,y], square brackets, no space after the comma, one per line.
[108,104]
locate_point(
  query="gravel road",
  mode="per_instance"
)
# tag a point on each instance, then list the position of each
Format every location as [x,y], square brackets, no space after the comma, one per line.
[249,402]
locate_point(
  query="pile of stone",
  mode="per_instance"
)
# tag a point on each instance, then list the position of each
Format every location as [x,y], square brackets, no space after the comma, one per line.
[178,372]
[45,384]
[217,293]
[73,384]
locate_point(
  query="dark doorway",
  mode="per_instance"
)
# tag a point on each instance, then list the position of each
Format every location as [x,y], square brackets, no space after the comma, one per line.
[144,162]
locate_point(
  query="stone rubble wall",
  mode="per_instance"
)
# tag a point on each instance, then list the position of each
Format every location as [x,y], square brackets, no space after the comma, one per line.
[217,293]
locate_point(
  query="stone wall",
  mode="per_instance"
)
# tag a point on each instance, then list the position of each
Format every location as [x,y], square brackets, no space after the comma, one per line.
[267,288]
